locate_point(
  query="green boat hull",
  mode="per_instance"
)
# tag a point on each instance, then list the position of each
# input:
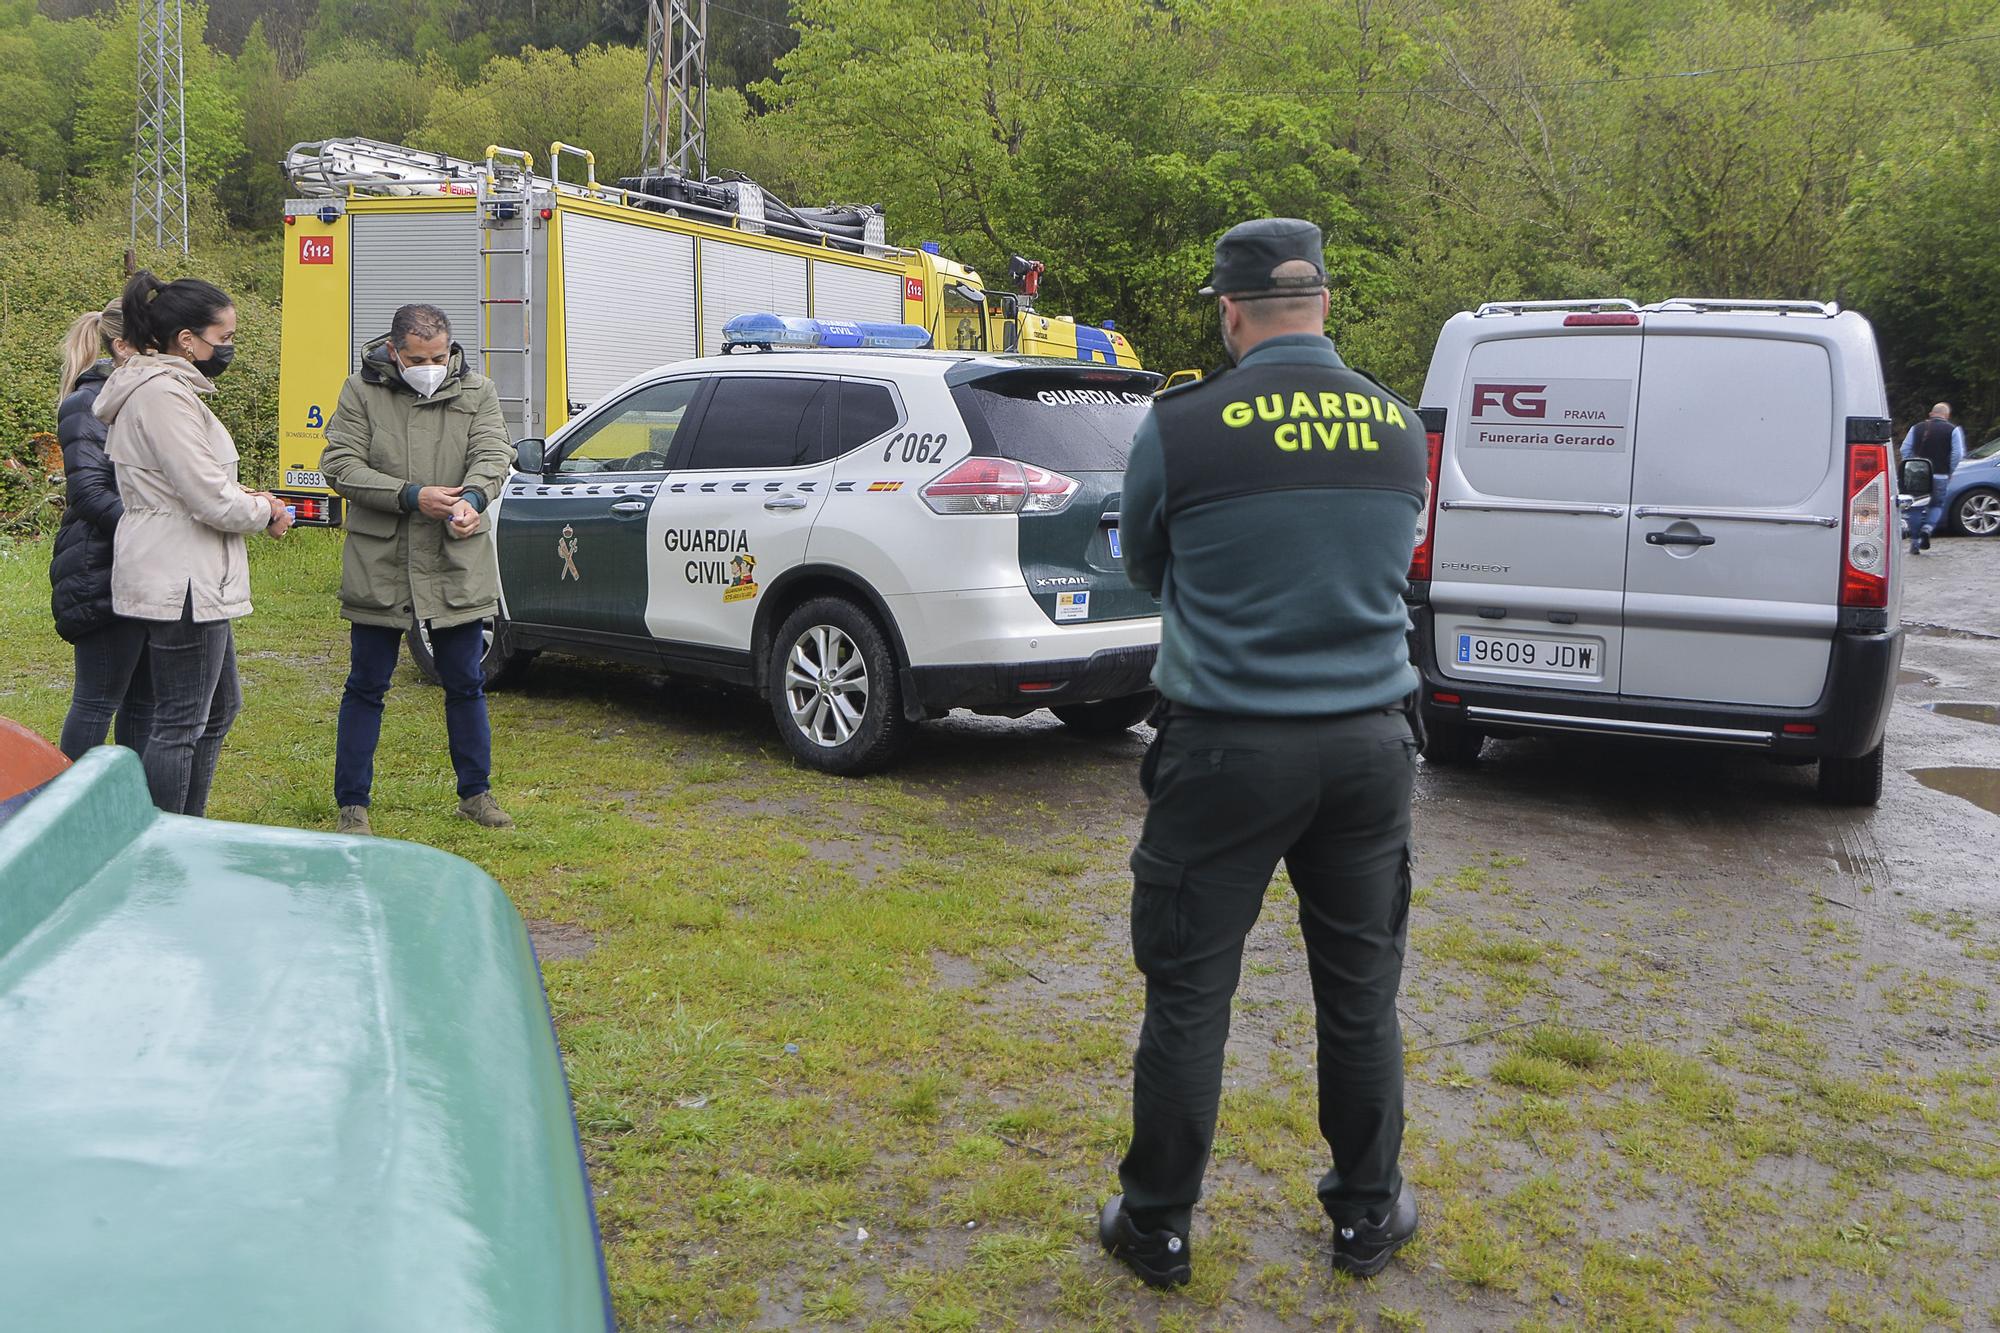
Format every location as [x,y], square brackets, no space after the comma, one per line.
[254,1078]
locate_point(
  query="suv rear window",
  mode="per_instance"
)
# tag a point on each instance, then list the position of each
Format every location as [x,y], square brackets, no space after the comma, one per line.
[1063,421]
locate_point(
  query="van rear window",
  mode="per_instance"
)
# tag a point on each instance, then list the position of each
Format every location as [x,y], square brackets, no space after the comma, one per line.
[1062,421]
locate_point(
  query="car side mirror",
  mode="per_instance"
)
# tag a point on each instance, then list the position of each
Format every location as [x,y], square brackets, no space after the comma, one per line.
[1916,479]
[531,457]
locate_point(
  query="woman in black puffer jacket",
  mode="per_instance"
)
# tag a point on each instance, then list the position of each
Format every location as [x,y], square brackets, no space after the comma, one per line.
[112,676]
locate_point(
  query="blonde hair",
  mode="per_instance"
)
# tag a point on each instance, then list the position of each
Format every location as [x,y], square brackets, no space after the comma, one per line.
[88,339]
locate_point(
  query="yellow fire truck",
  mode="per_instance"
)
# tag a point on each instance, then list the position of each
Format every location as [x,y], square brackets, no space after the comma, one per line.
[560,290]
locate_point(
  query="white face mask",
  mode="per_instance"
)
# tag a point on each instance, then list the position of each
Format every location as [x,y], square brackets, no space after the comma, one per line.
[424,379]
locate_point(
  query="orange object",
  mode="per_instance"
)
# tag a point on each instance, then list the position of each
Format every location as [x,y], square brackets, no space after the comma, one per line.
[26,760]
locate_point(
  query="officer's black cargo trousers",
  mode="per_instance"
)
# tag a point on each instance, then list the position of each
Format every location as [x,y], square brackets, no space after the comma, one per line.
[1230,797]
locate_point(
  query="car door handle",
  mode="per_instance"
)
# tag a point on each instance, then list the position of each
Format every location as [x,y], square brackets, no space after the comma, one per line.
[1679,539]
[629,507]
[780,502]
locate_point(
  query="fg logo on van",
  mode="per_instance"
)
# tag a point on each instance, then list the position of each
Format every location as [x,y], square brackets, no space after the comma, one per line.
[1512,399]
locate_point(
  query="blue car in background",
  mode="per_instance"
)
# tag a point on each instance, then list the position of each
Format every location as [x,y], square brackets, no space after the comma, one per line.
[1972,493]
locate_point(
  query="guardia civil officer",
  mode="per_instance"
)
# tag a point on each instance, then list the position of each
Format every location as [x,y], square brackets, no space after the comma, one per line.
[418,447]
[1272,508]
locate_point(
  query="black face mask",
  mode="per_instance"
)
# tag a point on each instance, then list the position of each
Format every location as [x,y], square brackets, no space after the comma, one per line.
[218,359]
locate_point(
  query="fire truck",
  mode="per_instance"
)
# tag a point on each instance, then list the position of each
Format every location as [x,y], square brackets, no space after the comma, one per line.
[560,289]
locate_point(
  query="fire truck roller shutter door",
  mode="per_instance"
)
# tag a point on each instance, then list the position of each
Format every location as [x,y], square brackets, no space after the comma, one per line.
[743,279]
[861,294]
[628,302]
[430,258]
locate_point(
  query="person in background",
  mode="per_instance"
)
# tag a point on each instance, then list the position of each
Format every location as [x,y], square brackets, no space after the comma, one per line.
[1942,444]
[112,677]
[179,562]
[418,447]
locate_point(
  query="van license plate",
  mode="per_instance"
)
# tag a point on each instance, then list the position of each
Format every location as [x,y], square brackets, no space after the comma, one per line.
[1565,657]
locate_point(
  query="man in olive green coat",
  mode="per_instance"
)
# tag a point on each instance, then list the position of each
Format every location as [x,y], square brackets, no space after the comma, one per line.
[418,448]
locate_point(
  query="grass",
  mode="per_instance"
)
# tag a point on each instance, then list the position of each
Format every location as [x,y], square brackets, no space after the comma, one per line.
[904,1006]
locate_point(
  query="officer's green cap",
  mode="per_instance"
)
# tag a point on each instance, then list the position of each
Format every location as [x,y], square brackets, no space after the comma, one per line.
[1249,252]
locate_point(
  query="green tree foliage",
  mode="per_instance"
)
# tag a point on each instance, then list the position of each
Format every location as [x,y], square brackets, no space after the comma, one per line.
[255,188]
[104,116]
[595,99]
[1454,151]
[1923,260]
[359,90]
[41,68]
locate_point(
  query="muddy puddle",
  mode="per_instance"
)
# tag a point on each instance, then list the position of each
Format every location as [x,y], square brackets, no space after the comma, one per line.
[1908,677]
[1987,713]
[1947,632]
[1981,786]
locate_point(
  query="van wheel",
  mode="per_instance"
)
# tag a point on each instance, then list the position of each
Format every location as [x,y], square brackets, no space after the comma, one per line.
[832,683]
[1107,717]
[1852,781]
[1451,743]
[503,665]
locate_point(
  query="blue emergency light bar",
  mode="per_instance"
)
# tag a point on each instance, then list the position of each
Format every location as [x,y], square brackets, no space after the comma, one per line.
[768,331]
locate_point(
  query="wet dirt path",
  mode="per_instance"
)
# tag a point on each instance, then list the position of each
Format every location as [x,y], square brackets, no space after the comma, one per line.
[1785,1097]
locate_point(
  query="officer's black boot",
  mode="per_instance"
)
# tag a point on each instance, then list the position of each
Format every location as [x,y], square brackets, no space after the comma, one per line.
[1363,1249]
[1160,1258]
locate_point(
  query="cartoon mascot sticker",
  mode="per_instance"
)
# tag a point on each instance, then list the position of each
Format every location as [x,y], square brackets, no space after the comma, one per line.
[742,578]
[566,548]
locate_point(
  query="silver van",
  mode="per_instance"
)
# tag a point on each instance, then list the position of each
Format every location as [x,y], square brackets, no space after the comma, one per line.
[1674,522]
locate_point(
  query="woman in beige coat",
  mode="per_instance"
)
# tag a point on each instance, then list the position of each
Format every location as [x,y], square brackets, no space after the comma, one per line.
[179,564]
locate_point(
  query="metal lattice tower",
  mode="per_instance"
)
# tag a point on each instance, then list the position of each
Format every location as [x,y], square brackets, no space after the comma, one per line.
[676,134]
[159,159]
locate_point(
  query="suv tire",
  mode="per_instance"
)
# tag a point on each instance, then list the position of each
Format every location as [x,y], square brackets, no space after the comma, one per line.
[1977,513]
[1451,744]
[833,687]
[1852,781]
[503,664]
[1107,717]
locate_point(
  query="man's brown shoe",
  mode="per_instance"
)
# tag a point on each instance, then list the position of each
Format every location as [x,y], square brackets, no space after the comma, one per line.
[353,819]
[484,810]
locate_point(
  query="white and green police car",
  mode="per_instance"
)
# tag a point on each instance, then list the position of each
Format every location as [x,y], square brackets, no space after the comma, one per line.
[866,533]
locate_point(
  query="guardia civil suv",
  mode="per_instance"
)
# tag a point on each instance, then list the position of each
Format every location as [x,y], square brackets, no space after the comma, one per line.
[866,537]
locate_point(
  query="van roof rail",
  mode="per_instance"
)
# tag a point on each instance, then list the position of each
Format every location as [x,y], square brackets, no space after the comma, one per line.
[1575,303]
[1702,304]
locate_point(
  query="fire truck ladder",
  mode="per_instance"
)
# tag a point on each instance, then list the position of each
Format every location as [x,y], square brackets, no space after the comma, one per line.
[506,200]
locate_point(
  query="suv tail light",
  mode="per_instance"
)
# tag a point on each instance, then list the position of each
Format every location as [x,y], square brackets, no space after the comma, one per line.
[998,486]
[1864,556]
[1420,557]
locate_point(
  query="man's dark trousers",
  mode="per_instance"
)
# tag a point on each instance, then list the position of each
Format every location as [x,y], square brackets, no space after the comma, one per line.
[458,652]
[1231,796]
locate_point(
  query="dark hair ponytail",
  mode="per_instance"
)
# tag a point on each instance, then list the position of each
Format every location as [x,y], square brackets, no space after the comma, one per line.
[156,311]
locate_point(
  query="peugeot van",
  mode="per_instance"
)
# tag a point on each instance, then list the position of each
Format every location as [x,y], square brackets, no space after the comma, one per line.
[1671,522]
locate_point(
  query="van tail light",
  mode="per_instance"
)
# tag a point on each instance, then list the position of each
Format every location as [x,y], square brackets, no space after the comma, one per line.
[998,486]
[1864,557]
[1420,557]
[1601,319]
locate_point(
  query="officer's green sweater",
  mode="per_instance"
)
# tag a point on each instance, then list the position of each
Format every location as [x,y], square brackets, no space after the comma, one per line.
[1273,508]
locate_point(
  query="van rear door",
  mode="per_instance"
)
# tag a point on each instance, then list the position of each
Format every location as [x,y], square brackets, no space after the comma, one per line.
[1733,563]
[1528,574]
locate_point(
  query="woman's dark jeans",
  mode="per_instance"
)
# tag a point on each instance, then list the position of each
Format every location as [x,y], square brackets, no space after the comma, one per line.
[196,698]
[113,678]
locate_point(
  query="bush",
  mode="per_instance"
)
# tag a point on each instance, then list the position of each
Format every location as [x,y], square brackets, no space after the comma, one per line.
[56,265]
